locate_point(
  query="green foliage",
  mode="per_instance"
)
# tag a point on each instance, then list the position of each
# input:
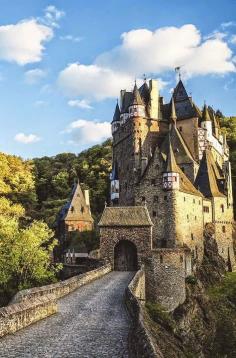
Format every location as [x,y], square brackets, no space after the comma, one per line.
[159,315]
[226,289]
[85,241]
[55,177]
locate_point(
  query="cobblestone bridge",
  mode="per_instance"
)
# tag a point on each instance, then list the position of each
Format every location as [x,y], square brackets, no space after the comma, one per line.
[91,322]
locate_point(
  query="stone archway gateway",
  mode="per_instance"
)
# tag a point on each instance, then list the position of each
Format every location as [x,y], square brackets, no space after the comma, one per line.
[125,256]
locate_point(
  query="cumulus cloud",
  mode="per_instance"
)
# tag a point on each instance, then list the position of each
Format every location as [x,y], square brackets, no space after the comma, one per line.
[26,138]
[226,25]
[23,42]
[94,81]
[34,76]
[83,132]
[151,52]
[83,103]
[164,49]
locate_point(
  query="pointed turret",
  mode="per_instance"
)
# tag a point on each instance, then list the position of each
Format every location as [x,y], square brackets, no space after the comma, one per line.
[206,123]
[180,92]
[137,100]
[173,116]
[136,108]
[205,114]
[171,174]
[116,116]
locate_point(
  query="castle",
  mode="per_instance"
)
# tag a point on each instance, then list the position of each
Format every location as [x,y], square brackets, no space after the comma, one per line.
[171,176]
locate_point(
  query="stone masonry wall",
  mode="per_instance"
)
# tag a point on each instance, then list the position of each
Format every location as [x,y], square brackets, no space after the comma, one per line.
[32,305]
[165,277]
[141,343]
[110,236]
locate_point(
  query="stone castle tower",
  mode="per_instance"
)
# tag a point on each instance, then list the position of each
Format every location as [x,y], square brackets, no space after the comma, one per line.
[173,160]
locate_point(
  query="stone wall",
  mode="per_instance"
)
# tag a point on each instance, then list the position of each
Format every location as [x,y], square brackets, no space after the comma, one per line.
[110,236]
[165,273]
[32,305]
[141,343]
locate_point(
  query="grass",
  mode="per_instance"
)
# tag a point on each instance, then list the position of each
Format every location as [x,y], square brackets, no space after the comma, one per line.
[159,315]
[226,289]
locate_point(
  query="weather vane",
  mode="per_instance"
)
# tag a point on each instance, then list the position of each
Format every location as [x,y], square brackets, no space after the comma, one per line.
[178,70]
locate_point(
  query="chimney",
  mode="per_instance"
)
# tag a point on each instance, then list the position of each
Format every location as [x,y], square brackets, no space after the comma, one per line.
[86,197]
[154,97]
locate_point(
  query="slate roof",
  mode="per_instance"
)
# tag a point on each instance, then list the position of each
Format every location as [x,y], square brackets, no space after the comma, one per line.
[116,116]
[125,216]
[145,93]
[136,100]
[76,209]
[208,175]
[127,99]
[182,153]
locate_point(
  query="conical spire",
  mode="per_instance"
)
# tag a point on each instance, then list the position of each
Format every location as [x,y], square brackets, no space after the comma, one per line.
[180,92]
[205,114]
[173,115]
[116,116]
[171,165]
[137,100]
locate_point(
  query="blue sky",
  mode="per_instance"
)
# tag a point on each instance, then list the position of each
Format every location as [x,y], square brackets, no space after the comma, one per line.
[62,64]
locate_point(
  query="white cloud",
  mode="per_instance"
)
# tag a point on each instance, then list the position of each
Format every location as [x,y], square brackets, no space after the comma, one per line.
[83,103]
[164,49]
[52,15]
[71,38]
[83,132]
[24,42]
[40,103]
[34,76]
[225,25]
[94,81]
[26,139]
[233,39]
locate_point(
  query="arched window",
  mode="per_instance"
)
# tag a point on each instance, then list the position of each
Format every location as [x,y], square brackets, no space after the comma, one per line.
[161,259]
[222,208]
[223,229]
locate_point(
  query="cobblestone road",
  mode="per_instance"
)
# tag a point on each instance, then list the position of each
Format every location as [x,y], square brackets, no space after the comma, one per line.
[91,322]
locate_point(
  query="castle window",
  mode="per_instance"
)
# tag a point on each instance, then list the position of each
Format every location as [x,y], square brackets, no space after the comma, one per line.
[223,229]
[184,198]
[161,259]
[187,216]
[222,208]
[182,169]
[181,258]
[165,197]
[180,129]
[153,181]
[206,209]
[72,209]
[199,202]
[154,214]
[143,198]
[155,199]
[82,209]
[192,237]
[193,201]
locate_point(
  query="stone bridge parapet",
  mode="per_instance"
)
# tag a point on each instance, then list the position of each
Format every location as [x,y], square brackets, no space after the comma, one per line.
[31,305]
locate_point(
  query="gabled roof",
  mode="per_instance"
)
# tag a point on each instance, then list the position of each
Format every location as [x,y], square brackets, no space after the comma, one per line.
[145,93]
[136,100]
[126,101]
[125,216]
[182,153]
[206,179]
[116,116]
[77,210]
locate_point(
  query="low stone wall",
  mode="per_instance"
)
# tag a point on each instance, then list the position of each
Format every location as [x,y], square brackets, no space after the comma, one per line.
[32,305]
[62,288]
[20,315]
[140,341]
